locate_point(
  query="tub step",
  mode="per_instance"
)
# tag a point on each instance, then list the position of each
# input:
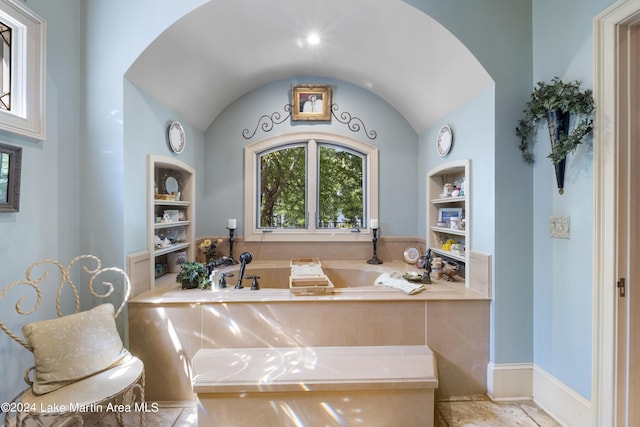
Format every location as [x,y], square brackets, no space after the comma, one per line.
[318,368]
[354,383]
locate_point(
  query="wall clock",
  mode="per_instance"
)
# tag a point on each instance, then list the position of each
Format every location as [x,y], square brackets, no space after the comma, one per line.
[176,137]
[444,140]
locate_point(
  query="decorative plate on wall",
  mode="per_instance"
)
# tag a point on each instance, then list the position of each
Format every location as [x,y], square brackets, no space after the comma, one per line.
[176,137]
[444,140]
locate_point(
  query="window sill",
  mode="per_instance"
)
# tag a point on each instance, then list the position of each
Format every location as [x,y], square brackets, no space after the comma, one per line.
[305,236]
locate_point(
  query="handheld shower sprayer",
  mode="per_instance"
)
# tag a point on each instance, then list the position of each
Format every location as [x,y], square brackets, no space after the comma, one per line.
[245,258]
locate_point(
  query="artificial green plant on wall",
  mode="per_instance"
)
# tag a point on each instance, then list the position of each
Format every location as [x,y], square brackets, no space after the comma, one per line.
[558,103]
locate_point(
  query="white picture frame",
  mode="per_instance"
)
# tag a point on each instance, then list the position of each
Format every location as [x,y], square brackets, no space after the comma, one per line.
[445,214]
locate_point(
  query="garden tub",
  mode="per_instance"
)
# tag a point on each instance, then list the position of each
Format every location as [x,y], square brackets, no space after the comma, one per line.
[168,325]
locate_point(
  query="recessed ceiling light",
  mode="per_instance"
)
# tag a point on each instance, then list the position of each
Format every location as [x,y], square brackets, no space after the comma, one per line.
[313,39]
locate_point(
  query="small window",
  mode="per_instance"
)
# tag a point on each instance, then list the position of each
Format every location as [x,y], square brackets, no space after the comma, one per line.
[22,70]
[312,187]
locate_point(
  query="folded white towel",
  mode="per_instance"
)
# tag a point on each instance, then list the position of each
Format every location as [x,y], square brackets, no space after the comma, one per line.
[395,280]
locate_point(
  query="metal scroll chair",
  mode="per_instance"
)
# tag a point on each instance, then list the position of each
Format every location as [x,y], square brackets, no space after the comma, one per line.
[82,373]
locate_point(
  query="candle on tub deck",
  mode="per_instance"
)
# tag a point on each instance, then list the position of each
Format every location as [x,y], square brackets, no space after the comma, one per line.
[231,223]
[374,223]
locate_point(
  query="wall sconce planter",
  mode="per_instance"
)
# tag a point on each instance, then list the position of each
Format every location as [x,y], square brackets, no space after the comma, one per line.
[558,103]
[558,123]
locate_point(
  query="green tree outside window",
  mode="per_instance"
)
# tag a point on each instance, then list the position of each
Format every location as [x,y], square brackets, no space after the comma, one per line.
[284,187]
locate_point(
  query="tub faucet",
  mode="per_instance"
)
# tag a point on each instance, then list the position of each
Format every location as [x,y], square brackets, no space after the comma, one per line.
[254,284]
[222,283]
[224,261]
[245,258]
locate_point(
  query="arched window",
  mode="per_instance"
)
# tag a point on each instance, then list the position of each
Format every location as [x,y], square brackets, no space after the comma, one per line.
[310,187]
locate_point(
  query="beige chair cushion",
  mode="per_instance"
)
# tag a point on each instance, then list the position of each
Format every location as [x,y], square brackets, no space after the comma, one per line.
[73,347]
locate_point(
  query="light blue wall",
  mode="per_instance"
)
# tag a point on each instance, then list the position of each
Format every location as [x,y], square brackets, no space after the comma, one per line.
[145,132]
[224,152]
[562,268]
[498,34]
[473,135]
[109,54]
[46,226]
[72,189]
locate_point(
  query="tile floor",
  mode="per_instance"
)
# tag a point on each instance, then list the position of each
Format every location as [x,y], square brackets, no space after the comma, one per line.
[165,416]
[467,411]
[480,411]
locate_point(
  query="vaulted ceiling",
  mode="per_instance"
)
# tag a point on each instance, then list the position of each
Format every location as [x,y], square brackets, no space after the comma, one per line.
[226,48]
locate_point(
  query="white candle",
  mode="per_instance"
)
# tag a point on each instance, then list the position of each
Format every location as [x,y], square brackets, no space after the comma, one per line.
[231,223]
[374,223]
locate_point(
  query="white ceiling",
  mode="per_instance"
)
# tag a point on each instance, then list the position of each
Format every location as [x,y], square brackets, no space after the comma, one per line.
[226,48]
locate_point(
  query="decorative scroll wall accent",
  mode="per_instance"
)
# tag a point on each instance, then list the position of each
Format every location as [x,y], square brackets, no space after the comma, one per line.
[267,122]
[353,123]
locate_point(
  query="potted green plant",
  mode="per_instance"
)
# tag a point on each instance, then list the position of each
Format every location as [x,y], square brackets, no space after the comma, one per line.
[558,103]
[194,274]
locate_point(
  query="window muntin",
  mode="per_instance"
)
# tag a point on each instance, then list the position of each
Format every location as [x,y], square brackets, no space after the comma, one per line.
[364,154]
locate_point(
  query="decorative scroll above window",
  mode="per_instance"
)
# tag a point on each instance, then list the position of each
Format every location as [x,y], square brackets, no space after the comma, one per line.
[266,122]
[354,123]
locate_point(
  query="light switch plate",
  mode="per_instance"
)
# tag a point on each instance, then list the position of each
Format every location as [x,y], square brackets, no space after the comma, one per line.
[559,226]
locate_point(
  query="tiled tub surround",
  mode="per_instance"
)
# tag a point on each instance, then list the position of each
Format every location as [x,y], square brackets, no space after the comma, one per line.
[389,247]
[168,326]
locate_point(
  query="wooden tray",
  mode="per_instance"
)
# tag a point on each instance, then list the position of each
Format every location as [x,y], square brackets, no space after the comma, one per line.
[310,285]
[305,261]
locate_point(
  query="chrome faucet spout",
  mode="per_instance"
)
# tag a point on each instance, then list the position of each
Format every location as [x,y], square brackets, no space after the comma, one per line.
[245,258]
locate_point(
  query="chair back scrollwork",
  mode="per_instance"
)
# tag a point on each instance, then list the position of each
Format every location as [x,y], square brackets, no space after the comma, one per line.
[66,369]
[90,264]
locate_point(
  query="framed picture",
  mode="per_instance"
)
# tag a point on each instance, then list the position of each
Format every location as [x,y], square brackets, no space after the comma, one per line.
[311,102]
[445,214]
[10,169]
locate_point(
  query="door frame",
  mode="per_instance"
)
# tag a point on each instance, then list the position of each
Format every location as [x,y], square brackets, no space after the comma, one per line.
[610,66]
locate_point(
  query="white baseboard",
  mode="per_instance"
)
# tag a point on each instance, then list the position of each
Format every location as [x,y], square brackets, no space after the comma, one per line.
[526,381]
[510,381]
[561,402]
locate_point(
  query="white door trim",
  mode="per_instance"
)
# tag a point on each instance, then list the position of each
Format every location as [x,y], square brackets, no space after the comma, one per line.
[608,121]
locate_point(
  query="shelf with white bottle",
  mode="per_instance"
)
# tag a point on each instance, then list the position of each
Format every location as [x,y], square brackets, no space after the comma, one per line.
[438,199]
[171,187]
